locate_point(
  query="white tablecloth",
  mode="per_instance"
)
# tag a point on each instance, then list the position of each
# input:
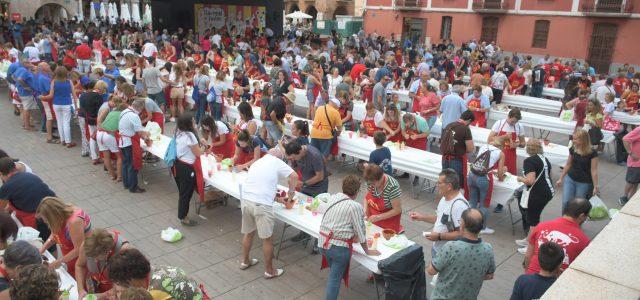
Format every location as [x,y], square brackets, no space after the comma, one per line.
[553,93]
[626,118]
[526,102]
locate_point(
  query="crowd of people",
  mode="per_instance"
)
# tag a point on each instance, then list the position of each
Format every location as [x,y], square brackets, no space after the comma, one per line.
[78,70]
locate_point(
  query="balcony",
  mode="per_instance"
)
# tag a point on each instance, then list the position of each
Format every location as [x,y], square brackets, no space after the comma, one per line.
[607,8]
[408,4]
[490,6]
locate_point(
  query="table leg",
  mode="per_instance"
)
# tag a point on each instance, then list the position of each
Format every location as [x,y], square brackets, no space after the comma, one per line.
[281,240]
[375,282]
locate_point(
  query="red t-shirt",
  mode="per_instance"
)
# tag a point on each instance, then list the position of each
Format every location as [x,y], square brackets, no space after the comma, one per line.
[619,85]
[356,71]
[68,61]
[547,70]
[516,81]
[563,232]
[83,52]
[556,70]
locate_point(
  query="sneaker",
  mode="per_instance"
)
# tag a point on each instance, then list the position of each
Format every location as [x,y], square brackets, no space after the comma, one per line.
[487,230]
[498,209]
[522,250]
[522,243]
[623,200]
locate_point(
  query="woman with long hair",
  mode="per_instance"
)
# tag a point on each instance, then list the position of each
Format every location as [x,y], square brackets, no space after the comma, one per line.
[177,80]
[247,121]
[579,178]
[106,137]
[248,150]
[594,119]
[69,226]
[187,170]
[391,124]
[219,137]
[64,98]
[137,74]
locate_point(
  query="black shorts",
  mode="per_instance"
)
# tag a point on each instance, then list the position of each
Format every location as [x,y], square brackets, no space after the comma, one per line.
[633,175]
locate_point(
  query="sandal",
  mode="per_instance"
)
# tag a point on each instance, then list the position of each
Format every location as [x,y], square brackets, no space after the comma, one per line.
[244,266]
[278,273]
[53,141]
[189,222]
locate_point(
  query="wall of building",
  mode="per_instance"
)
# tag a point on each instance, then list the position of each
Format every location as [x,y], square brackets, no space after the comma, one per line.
[331,5]
[28,8]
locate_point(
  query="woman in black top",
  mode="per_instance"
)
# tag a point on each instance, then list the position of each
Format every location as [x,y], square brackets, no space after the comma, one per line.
[541,190]
[283,85]
[581,168]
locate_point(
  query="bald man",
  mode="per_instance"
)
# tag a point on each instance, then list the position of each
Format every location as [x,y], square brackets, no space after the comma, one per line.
[418,89]
[43,85]
[468,252]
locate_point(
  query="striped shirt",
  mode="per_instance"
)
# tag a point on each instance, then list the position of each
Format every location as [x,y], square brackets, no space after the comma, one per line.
[390,191]
[345,219]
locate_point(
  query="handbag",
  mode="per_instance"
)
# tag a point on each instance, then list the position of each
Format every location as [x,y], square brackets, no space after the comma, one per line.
[524,197]
[334,132]
[610,124]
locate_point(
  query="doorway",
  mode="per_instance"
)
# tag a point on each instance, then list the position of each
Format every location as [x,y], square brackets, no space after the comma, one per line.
[603,40]
[489,29]
[413,29]
[52,12]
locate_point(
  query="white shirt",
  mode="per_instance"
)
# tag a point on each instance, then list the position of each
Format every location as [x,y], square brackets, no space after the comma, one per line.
[601,92]
[219,87]
[527,76]
[128,126]
[444,208]
[262,179]
[78,37]
[333,83]
[499,81]
[184,141]
[498,126]
[377,118]
[33,53]
[15,53]
[149,49]
[494,155]
[222,128]
[215,39]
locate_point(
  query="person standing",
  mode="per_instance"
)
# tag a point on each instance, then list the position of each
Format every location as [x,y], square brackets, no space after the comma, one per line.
[90,103]
[533,286]
[382,155]
[83,54]
[131,131]
[258,197]
[632,145]
[152,78]
[326,122]
[515,132]
[479,104]
[452,107]
[380,94]
[457,141]
[538,79]
[574,213]
[579,176]
[25,81]
[499,83]
[382,203]
[187,170]
[342,225]
[468,253]
[64,97]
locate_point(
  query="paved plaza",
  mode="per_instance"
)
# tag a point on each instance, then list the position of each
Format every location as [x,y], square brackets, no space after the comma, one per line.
[211,252]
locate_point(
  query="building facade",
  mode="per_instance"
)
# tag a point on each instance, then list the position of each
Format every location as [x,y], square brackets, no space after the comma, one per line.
[52,9]
[602,32]
[325,9]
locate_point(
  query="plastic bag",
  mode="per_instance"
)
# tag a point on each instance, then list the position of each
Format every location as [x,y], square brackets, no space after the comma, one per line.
[154,130]
[599,210]
[566,115]
[171,235]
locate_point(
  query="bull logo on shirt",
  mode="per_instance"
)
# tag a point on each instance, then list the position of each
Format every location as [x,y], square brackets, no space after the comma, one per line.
[560,238]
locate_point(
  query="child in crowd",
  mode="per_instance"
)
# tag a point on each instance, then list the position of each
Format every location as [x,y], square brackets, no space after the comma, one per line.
[257,94]
[382,155]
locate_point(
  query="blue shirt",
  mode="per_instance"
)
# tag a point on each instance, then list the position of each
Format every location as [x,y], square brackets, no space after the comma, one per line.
[421,124]
[17,29]
[43,85]
[25,191]
[451,107]
[13,67]
[26,76]
[428,58]
[46,46]
[383,72]
[62,92]
[111,83]
[382,158]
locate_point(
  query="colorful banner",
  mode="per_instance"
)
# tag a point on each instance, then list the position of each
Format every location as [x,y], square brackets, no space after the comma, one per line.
[218,16]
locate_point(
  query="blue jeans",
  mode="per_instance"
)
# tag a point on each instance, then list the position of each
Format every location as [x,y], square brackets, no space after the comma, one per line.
[573,189]
[216,110]
[201,105]
[338,259]
[324,145]
[273,131]
[536,90]
[478,188]
[129,175]
[44,117]
[431,121]
[456,165]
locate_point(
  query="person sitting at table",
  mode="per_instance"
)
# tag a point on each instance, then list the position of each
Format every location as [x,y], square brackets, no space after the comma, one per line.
[300,131]
[22,192]
[218,136]
[69,226]
[248,150]
[247,121]
[382,203]
[18,255]
[187,170]
[131,269]
[259,195]
[342,225]
[480,179]
[579,106]
[631,96]
[93,261]
[382,155]
[479,104]
[415,131]
[594,119]
[36,282]
[391,124]
[579,178]
[371,121]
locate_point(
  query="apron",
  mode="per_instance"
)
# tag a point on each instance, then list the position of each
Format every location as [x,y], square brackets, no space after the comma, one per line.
[420,143]
[416,100]
[136,149]
[26,218]
[99,276]
[63,239]
[369,125]
[228,149]
[376,207]
[510,157]
[487,199]
[157,117]
[580,112]
[326,245]
[398,136]
[245,157]
[197,168]
[480,117]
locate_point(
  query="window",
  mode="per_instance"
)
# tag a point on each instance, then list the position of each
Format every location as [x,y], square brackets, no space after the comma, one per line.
[540,34]
[489,29]
[445,30]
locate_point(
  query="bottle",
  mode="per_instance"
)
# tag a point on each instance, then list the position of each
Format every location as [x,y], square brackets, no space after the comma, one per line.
[301,208]
[374,245]
[368,229]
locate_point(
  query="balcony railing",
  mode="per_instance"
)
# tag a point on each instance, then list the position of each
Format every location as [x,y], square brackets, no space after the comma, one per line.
[607,7]
[490,6]
[408,4]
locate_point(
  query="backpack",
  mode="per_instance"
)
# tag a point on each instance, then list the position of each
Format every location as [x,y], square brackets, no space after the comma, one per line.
[447,142]
[480,165]
[171,154]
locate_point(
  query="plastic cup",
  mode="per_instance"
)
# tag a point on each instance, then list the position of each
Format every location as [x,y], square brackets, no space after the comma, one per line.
[219,167]
[369,243]
[350,134]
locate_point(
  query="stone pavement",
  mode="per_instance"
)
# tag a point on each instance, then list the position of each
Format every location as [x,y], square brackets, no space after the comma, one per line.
[211,252]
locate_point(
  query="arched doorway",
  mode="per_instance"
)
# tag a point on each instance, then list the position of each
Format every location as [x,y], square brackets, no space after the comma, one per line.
[293,8]
[340,11]
[312,11]
[52,12]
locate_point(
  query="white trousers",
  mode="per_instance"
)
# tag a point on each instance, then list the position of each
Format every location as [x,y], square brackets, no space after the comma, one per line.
[63,118]
[83,137]
[93,144]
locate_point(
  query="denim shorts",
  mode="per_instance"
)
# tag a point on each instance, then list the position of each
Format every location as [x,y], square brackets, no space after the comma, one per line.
[324,145]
